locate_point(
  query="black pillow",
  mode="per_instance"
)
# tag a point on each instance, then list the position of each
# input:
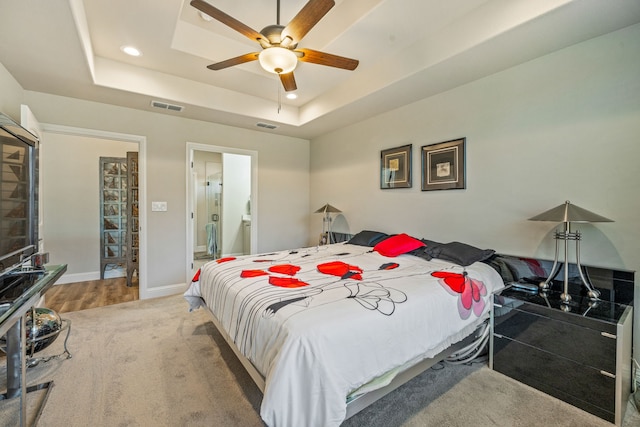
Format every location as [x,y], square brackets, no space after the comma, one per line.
[427,252]
[368,238]
[457,252]
[422,252]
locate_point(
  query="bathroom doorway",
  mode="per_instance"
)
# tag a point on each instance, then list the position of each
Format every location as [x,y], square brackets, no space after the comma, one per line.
[222,208]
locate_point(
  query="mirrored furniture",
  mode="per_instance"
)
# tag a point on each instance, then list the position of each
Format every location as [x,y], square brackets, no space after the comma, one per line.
[579,350]
[20,290]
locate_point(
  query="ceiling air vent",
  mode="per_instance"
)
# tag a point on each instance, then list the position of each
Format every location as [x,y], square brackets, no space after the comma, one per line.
[165,106]
[266,125]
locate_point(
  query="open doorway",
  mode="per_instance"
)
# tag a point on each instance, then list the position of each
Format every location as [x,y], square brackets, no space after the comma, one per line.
[71,209]
[221,203]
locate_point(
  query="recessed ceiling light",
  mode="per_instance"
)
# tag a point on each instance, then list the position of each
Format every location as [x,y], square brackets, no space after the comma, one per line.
[292,96]
[130,50]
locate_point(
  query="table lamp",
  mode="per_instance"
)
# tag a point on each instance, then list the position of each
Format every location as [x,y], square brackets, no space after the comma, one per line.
[568,213]
[327,210]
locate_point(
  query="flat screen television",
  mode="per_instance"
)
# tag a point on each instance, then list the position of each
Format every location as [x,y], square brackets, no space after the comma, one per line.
[18,195]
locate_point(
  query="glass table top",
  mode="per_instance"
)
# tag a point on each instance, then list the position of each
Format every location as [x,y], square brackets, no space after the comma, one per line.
[18,287]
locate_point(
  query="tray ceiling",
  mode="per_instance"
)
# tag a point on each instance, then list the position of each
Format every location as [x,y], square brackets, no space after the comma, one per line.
[408,50]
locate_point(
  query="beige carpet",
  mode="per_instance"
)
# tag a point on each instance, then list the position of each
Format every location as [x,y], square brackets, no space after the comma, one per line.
[152,363]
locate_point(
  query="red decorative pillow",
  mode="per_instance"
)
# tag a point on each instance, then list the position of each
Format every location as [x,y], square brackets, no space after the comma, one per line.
[397,245]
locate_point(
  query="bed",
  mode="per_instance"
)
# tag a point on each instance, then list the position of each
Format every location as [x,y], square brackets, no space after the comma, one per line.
[325,331]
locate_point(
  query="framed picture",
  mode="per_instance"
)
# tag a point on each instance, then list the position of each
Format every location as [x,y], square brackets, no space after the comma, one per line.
[443,165]
[395,167]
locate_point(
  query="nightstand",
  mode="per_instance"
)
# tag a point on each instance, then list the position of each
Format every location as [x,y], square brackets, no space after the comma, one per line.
[578,352]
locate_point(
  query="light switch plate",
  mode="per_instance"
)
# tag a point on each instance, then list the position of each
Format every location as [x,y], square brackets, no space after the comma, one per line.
[158,206]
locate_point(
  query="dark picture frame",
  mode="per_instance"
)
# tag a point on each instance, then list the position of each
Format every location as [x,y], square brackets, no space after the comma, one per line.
[443,165]
[395,167]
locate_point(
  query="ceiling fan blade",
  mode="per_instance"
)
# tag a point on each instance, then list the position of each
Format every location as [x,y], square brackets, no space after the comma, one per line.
[309,15]
[234,61]
[322,58]
[288,81]
[229,21]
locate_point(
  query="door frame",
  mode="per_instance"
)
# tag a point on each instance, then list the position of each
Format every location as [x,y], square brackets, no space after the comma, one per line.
[142,187]
[190,191]
[29,121]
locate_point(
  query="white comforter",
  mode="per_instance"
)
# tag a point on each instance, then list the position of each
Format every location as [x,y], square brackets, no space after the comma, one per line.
[320,322]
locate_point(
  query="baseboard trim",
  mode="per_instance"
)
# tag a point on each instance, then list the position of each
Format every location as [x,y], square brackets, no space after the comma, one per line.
[155,292]
[88,276]
[164,291]
[78,277]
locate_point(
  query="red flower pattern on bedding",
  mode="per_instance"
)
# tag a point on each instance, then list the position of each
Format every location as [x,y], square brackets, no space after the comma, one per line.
[470,290]
[288,269]
[286,282]
[371,296]
[389,266]
[283,282]
[252,273]
[341,269]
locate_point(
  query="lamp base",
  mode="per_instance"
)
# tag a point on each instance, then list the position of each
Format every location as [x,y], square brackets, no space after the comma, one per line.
[594,294]
[566,236]
[545,286]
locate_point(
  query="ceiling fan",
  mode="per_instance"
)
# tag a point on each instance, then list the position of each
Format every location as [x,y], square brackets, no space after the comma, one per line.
[280,54]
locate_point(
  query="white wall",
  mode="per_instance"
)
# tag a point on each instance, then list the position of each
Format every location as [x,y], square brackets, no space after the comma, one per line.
[71,199]
[11,95]
[561,127]
[236,190]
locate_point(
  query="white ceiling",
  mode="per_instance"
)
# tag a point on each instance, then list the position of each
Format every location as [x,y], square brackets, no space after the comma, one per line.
[408,50]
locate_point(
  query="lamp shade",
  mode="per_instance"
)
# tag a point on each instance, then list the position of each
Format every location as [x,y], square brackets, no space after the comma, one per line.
[569,213]
[278,60]
[328,209]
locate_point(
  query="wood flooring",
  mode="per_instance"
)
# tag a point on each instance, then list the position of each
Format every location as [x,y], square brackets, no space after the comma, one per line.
[95,293]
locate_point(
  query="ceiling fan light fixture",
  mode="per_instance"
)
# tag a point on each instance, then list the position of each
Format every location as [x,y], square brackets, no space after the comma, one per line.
[204,16]
[278,60]
[280,54]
